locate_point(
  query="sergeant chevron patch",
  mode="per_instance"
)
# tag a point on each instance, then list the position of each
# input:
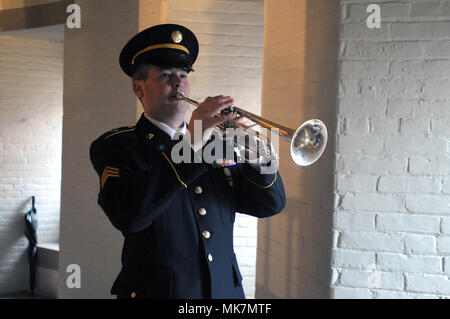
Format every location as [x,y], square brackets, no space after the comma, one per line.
[109,172]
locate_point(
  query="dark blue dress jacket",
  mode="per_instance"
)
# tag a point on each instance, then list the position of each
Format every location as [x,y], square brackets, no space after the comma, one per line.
[177,219]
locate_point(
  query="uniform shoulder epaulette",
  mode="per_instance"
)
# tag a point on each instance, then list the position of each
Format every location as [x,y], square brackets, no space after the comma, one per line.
[117,131]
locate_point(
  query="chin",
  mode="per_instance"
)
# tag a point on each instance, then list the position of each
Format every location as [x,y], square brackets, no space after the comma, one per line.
[177,107]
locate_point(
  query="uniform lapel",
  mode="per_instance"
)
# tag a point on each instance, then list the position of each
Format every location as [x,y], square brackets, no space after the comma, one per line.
[153,136]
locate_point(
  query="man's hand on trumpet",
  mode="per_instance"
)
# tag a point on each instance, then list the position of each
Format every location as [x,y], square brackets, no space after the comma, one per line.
[262,158]
[207,115]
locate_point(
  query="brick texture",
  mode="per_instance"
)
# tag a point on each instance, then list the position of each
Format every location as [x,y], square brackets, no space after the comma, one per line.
[395,90]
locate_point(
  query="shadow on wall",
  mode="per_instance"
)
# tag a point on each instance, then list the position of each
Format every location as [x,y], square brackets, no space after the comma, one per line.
[44,14]
[33,14]
[297,244]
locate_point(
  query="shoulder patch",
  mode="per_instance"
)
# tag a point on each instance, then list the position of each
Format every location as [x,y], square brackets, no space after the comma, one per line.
[119,131]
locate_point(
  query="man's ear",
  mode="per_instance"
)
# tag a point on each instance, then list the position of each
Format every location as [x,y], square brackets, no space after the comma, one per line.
[138,89]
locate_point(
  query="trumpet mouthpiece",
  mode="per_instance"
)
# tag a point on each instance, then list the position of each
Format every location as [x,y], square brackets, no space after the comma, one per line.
[180,96]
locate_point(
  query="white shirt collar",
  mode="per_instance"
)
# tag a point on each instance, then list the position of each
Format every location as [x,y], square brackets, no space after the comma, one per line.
[166,128]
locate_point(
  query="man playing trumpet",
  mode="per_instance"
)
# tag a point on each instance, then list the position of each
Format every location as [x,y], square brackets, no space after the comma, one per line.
[176,218]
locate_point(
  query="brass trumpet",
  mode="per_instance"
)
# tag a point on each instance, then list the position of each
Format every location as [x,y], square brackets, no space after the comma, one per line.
[308,141]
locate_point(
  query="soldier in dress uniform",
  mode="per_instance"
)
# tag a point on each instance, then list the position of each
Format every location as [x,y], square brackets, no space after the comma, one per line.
[176,218]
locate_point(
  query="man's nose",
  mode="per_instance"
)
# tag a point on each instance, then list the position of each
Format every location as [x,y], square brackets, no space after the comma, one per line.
[176,81]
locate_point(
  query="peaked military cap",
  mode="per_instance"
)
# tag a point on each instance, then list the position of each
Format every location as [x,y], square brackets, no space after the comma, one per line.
[164,45]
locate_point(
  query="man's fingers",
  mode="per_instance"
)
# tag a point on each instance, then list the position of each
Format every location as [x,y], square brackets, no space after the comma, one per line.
[212,106]
[222,118]
[244,120]
[218,119]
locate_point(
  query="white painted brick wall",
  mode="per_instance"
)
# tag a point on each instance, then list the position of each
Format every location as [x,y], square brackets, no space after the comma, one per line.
[30,149]
[392,202]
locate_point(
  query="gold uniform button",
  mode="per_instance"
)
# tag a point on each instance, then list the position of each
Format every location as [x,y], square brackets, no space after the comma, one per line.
[133,294]
[198,190]
[206,234]
[202,212]
[210,257]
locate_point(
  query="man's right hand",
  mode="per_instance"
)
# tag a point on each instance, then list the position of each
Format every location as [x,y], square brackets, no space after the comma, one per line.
[207,115]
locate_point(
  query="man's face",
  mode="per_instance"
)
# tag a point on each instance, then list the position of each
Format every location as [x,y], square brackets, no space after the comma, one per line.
[160,89]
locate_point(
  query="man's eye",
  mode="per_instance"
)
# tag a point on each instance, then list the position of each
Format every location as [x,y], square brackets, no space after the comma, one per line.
[183,76]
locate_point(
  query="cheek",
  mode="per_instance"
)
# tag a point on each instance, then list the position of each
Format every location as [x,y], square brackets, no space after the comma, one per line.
[156,91]
[187,89]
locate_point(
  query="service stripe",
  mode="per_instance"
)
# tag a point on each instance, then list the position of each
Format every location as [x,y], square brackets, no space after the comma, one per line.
[109,172]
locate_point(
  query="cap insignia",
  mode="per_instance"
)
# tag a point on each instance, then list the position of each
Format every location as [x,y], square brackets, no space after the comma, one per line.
[176,36]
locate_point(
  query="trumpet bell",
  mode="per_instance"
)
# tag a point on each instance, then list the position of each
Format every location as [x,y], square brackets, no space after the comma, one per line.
[308,142]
